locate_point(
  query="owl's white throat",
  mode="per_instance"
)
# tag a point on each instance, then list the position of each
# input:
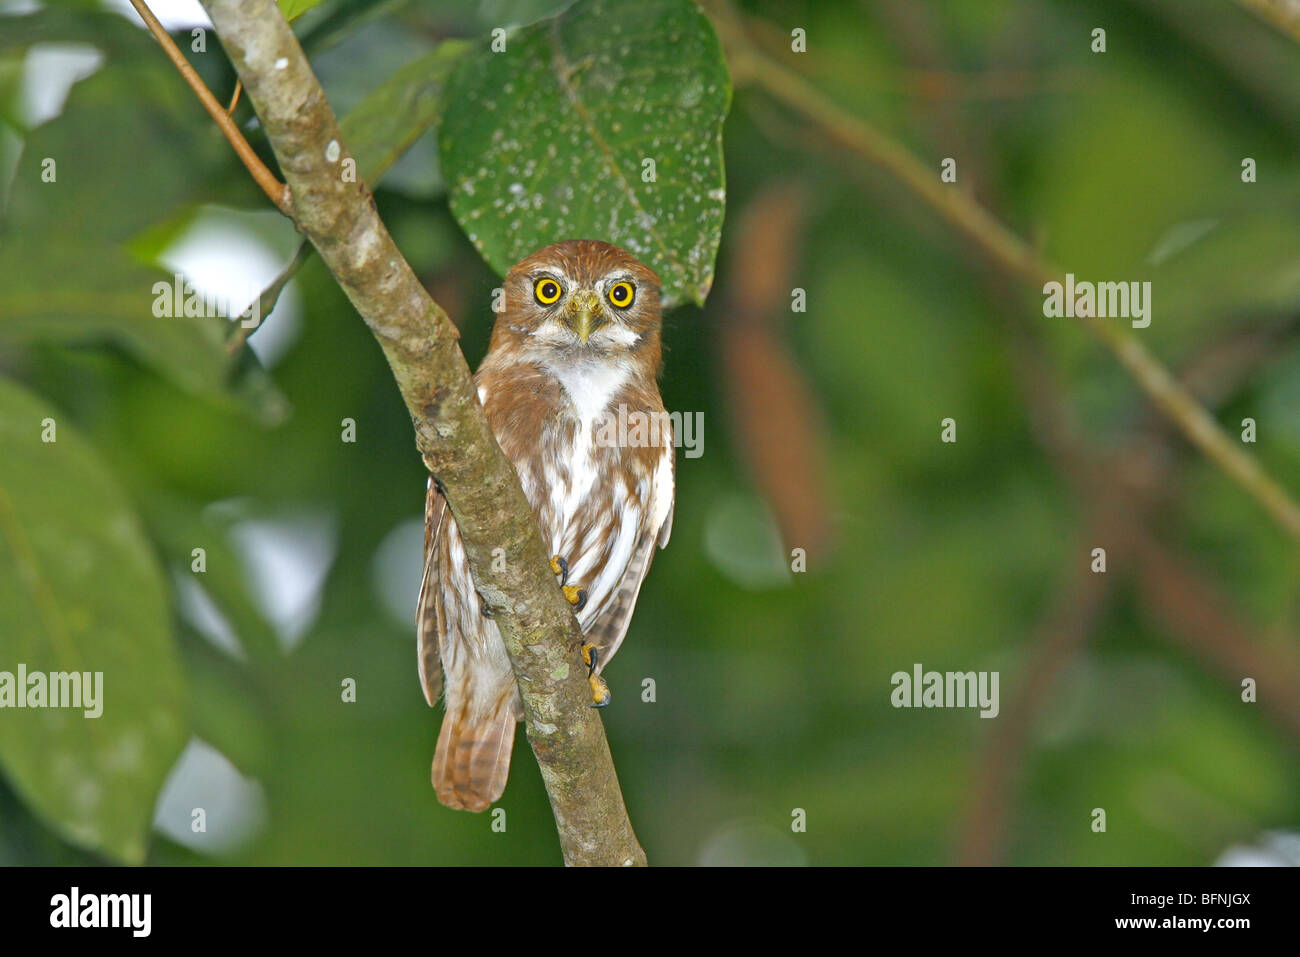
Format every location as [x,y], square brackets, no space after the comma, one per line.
[591,387]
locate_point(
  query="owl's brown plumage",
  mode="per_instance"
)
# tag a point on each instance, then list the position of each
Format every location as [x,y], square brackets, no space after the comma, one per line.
[576,347]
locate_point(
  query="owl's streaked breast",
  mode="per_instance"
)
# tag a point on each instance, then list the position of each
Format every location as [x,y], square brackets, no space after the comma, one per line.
[589,497]
[574,468]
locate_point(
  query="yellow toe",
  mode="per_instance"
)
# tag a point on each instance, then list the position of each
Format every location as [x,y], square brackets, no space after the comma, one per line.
[600,695]
[575,595]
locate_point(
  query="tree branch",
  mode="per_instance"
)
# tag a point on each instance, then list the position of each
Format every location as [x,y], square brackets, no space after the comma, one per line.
[420,344]
[1008,252]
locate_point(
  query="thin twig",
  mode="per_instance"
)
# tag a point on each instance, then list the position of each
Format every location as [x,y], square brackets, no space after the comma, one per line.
[1010,253]
[267,300]
[234,99]
[274,189]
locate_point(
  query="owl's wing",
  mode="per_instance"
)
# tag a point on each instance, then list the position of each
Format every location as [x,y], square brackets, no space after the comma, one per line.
[430,616]
[666,531]
[610,628]
[669,464]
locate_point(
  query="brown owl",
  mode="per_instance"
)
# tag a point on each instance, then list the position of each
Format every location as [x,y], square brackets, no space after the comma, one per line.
[569,388]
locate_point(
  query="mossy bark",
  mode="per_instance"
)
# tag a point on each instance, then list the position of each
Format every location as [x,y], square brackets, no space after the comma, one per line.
[451,430]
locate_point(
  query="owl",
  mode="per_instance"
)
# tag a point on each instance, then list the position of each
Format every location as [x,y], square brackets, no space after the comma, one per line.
[569,388]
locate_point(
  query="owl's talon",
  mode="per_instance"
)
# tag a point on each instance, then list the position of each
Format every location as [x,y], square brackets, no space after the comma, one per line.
[577,597]
[560,567]
[600,695]
[483,608]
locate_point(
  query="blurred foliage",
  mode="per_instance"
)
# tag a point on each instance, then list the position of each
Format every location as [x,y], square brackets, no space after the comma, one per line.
[64,520]
[772,689]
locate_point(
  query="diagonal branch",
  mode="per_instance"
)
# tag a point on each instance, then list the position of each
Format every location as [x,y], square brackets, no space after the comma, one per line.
[1008,252]
[337,214]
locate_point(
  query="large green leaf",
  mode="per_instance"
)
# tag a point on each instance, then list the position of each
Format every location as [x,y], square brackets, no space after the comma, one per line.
[81,591]
[127,152]
[293,9]
[62,22]
[549,139]
[384,125]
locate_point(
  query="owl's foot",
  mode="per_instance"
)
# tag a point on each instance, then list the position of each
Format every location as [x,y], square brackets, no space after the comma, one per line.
[600,695]
[483,608]
[577,597]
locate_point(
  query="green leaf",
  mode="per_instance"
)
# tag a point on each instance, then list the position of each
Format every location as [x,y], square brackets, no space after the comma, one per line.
[385,124]
[65,23]
[549,139]
[82,591]
[83,284]
[293,9]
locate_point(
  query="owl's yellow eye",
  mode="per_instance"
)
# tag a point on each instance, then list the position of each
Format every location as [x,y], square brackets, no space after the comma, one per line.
[621,294]
[547,291]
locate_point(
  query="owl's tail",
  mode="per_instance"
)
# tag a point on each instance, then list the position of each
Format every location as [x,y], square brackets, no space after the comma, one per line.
[472,761]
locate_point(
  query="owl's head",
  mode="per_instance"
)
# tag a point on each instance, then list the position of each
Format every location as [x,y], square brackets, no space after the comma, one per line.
[582,297]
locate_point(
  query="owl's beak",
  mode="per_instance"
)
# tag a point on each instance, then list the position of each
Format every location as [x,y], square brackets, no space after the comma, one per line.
[586,314]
